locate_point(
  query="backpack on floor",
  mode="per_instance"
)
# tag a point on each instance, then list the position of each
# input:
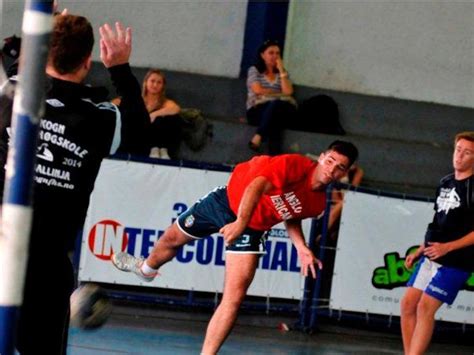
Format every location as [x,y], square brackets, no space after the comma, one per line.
[196,129]
[320,114]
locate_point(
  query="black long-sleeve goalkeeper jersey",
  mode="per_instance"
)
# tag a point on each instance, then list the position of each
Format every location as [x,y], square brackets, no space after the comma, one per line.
[79,128]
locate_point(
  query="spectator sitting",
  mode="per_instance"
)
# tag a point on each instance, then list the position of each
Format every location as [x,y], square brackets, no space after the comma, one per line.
[165,135]
[269,100]
[164,116]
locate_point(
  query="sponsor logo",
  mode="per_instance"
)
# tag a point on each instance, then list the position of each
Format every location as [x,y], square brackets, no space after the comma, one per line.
[287,205]
[189,221]
[60,141]
[53,172]
[110,236]
[243,241]
[394,274]
[44,152]
[55,103]
[437,290]
[447,200]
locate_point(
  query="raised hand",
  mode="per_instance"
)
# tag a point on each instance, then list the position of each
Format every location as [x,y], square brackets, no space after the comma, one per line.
[56,7]
[280,66]
[115,46]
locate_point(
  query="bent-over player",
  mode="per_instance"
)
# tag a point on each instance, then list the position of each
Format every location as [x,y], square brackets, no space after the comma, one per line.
[260,193]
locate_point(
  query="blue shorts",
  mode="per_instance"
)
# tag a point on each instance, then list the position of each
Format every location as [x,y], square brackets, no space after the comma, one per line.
[438,281]
[208,215]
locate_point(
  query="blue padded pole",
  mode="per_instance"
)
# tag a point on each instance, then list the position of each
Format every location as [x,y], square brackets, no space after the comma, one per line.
[322,244]
[305,308]
[17,211]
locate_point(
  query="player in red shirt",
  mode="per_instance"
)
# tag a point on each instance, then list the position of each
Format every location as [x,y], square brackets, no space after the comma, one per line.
[289,197]
[261,193]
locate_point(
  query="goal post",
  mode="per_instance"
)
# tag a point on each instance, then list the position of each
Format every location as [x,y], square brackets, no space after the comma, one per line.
[16,218]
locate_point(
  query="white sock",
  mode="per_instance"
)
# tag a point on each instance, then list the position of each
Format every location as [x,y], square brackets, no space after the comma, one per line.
[147,270]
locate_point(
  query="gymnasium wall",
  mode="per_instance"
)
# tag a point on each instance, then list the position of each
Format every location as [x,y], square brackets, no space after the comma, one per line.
[201,37]
[416,50]
[420,51]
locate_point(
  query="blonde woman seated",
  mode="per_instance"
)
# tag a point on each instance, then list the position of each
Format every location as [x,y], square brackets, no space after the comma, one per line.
[164,116]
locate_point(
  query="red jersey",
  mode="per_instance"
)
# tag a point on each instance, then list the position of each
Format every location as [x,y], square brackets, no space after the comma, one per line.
[291,196]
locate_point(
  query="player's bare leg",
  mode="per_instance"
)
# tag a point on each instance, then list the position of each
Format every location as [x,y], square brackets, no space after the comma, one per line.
[163,251]
[408,308]
[240,271]
[167,246]
[425,321]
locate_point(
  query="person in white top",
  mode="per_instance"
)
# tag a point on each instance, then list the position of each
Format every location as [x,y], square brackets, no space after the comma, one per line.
[269,100]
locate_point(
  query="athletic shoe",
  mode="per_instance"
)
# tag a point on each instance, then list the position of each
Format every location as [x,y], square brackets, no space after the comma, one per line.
[155,152]
[129,263]
[164,153]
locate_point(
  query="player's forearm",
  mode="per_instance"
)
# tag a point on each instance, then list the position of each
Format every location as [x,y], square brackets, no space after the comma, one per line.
[259,90]
[463,242]
[286,85]
[250,198]
[419,251]
[298,241]
[165,111]
[125,82]
[295,232]
[134,115]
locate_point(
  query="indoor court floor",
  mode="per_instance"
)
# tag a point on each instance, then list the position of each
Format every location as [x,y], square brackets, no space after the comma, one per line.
[139,330]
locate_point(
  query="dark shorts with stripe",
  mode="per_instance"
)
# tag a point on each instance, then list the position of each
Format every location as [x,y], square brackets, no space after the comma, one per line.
[208,215]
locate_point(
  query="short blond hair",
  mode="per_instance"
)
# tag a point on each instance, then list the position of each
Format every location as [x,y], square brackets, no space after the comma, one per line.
[467,135]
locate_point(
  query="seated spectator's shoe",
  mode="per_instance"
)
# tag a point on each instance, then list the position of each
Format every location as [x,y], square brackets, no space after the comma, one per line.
[164,153]
[155,152]
[129,263]
[254,147]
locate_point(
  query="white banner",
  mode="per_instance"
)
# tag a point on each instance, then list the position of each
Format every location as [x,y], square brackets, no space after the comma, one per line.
[376,234]
[131,206]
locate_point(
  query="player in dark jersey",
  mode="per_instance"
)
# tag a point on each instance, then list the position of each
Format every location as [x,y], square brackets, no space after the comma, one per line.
[261,192]
[78,130]
[447,255]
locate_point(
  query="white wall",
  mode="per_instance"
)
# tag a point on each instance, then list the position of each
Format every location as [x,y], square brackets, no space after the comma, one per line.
[197,36]
[418,50]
